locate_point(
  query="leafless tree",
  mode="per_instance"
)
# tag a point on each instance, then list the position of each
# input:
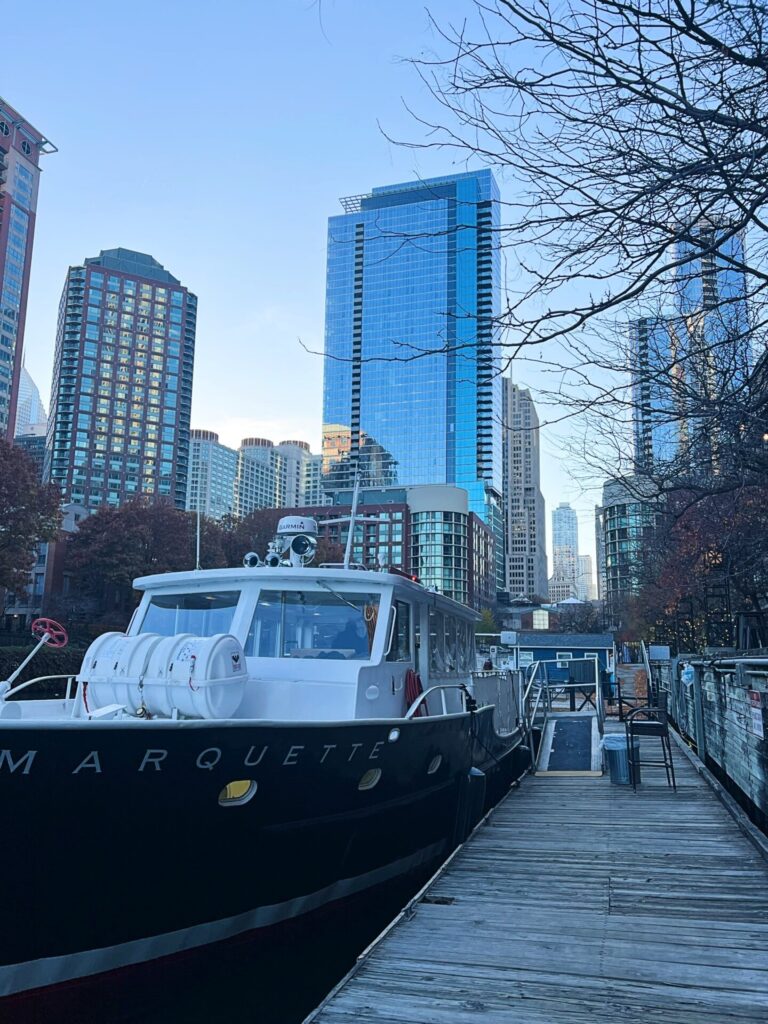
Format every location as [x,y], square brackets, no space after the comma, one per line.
[634,142]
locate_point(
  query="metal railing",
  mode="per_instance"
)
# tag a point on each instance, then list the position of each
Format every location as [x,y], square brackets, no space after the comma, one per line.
[653,694]
[41,679]
[437,688]
[541,694]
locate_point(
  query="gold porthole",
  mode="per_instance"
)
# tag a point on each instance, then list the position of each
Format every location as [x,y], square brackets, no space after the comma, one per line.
[237,793]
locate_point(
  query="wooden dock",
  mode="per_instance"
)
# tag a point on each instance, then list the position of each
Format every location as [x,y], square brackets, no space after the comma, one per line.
[579,901]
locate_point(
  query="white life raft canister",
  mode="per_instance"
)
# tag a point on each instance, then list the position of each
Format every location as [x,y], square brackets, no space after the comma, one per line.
[199,677]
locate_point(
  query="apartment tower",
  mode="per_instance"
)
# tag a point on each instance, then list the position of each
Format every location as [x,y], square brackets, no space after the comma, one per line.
[122,382]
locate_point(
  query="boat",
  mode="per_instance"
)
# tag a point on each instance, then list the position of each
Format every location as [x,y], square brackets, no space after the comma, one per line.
[261,743]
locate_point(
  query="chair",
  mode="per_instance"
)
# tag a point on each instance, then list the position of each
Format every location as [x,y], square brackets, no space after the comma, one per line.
[647,722]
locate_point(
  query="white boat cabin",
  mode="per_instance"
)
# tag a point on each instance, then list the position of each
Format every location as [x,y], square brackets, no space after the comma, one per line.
[319,644]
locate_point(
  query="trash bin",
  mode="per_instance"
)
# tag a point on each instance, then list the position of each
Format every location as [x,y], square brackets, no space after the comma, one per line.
[615,747]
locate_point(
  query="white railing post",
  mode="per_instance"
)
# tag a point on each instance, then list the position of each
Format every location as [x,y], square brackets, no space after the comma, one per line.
[14,675]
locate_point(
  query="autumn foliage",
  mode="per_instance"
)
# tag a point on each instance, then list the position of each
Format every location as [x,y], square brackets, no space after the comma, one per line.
[29,513]
[705,565]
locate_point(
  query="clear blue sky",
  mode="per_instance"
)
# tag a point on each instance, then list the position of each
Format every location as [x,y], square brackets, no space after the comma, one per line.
[219,138]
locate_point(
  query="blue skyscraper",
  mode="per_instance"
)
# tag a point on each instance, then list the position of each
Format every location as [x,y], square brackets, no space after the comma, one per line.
[412,390]
[711,300]
[690,360]
[659,391]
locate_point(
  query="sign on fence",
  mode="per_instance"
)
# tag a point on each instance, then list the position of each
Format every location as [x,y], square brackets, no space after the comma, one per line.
[755,721]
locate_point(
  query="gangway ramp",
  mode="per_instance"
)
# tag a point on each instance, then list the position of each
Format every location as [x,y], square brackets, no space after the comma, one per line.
[570,745]
[579,902]
[568,715]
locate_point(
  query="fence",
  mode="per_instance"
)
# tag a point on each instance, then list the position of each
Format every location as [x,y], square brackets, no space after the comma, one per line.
[720,705]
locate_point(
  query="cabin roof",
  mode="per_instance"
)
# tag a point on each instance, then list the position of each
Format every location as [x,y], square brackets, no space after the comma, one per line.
[578,641]
[284,575]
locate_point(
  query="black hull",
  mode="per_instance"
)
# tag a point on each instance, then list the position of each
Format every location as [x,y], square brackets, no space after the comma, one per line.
[122,854]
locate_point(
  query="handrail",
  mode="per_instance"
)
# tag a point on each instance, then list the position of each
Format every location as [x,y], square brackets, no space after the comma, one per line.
[715,662]
[423,696]
[531,681]
[536,706]
[39,679]
[647,665]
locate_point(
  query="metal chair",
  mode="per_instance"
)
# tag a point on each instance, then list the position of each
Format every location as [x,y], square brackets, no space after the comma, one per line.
[647,722]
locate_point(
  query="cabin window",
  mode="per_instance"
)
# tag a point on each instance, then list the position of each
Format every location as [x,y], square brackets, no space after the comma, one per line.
[313,624]
[451,644]
[564,656]
[466,647]
[436,643]
[202,614]
[400,649]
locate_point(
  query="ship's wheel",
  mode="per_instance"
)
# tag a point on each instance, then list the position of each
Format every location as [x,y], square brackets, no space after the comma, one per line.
[57,634]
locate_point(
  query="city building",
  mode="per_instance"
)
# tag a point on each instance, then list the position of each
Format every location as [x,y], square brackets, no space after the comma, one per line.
[428,531]
[585,584]
[565,553]
[313,490]
[33,444]
[412,388]
[259,474]
[122,382]
[524,522]
[21,146]
[626,523]
[660,397]
[212,475]
[297,473]
[711,299]
[600,552]
[30,411]
[690,358]
[31,422]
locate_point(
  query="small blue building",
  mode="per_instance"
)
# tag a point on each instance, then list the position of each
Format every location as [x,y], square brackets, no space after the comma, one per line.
[532,646]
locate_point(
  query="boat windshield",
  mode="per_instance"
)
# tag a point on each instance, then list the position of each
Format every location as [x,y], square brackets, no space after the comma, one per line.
[313,624]
[202,613]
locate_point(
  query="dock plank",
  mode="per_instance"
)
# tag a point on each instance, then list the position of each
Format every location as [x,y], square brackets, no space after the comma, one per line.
[579,901]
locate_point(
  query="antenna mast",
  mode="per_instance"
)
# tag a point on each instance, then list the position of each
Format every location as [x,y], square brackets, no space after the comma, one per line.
[352,515]
[197,535]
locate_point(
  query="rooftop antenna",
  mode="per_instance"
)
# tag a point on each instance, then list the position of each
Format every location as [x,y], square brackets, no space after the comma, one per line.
[353,519]
[352,516]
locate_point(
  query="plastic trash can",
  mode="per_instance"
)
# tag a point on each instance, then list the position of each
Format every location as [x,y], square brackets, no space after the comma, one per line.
[616,754]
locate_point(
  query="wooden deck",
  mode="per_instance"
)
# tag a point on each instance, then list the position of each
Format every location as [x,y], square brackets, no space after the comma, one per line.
[580,901]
